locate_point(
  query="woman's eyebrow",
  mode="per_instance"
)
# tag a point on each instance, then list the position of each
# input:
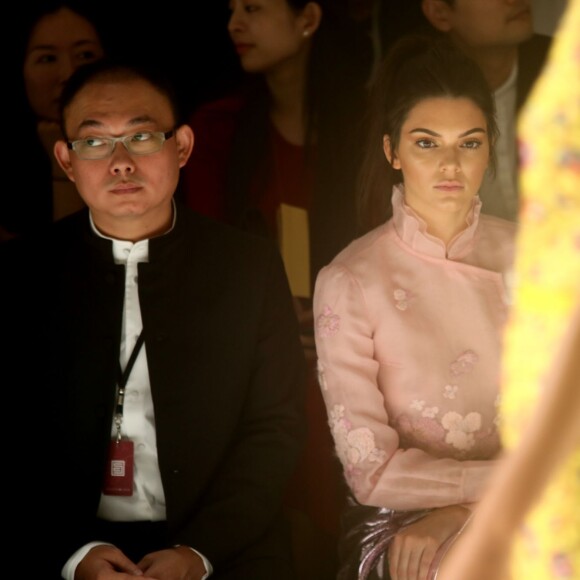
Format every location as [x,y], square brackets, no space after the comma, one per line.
[435,134]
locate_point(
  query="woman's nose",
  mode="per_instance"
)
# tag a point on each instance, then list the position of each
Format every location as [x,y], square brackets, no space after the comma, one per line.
[450,161]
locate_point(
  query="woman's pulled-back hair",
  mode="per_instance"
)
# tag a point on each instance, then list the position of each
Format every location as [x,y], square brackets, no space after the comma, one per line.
[417,67]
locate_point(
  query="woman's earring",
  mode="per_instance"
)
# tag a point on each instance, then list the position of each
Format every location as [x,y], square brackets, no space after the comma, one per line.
[305,33]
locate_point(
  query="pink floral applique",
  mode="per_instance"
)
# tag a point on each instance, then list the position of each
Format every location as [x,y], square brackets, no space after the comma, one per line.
[533,210]
[450,391]
[327,323]
[527,153]
[420,405]
[562,566]
[430,412]
[570,159]
[464,363]
[461,429]
[353,446]
[401,299]
[417,404]
[421,431]
[321,376]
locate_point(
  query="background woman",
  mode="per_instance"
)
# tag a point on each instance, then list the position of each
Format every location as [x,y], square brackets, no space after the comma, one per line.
[284,138]
[55,38]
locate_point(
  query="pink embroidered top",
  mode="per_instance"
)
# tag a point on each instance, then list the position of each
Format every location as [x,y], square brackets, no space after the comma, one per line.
[408,335]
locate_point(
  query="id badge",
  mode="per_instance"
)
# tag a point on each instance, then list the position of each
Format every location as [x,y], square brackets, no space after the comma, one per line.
[119,468]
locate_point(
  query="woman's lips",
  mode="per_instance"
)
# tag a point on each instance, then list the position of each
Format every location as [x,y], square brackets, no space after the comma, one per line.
[242,48]
[449,186]
[523,14]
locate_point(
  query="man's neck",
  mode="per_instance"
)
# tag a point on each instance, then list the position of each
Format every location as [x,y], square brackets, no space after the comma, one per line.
[495,63]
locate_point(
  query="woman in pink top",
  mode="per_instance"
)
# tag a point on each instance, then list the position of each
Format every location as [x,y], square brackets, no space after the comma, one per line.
[409,319]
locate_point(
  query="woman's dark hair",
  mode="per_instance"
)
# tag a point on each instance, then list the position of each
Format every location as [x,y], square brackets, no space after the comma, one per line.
[334,100]
[417,67]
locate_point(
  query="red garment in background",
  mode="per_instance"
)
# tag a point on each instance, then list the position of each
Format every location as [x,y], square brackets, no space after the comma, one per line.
[284,176]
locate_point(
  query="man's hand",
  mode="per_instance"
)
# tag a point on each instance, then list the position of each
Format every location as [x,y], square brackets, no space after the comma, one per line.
[413,549]
[180,563]
[107,563]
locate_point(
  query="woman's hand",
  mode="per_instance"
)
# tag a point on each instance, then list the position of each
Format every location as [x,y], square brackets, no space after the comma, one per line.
[413,549]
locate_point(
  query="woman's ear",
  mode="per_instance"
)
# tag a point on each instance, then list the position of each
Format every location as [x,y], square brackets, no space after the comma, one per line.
[389,153]
[310,18]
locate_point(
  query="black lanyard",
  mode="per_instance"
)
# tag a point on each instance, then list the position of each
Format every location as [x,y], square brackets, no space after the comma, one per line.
[123,377]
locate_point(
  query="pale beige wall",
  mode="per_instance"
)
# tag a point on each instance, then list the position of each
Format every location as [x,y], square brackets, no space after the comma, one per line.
[547,14]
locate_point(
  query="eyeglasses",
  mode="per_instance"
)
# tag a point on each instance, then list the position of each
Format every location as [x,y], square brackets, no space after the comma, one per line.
[142,143]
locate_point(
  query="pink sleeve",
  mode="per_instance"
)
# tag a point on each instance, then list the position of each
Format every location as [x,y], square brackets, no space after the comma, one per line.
[377,470]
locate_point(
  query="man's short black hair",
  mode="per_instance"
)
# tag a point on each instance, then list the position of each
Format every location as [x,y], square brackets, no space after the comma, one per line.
[115,69]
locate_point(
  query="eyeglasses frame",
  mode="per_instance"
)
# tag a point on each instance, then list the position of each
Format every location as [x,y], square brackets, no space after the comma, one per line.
[114,140]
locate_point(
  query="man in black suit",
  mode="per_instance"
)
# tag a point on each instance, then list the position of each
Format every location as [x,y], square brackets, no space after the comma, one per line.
[171,463]
[499,36]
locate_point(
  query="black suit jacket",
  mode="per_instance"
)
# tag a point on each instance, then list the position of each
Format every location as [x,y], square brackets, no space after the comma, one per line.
[226,368]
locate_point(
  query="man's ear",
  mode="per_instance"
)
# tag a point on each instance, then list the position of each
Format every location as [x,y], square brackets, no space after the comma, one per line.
[390,154]
[184,139]
[62,154]
[310,18]
[438,13]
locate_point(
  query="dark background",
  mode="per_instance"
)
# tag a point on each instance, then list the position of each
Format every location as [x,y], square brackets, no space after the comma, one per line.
[189,38]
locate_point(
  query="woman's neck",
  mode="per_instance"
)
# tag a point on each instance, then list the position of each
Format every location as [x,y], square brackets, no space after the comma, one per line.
[286,84]
[446,229]
[445,226]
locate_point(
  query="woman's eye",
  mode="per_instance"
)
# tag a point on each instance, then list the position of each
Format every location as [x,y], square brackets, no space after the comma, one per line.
[46,59]
[425,143]
[472,144]
[86,56]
